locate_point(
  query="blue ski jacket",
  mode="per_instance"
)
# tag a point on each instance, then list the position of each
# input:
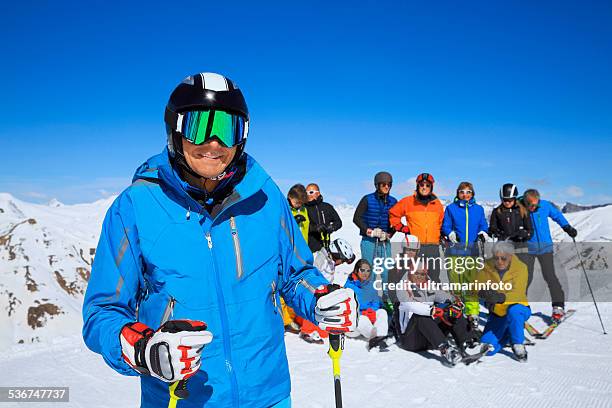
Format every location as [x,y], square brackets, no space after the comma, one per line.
[161,253]
[366,294]
[541,239]
[467,219]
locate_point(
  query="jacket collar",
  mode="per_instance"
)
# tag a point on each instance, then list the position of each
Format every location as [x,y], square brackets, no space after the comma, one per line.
[158,169]
[465,203]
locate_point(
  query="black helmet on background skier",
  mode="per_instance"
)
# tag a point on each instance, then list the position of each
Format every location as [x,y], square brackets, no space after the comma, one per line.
[203,107]
[383,177]
[508,191]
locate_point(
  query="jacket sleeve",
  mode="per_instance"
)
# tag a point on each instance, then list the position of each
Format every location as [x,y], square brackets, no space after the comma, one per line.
[528,226]
[557,215]
[519,283]
[299,278]
[312,218]
[483,221]
[396,213]
[447,222]
[358,216]
[493,227]
[335,221]
[416,307]
[112,292]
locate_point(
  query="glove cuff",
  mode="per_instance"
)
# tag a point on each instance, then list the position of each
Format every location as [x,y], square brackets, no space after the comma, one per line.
[134,338]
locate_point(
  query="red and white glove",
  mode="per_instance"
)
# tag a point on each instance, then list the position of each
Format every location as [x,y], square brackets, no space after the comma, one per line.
[171,353]
[402,228]
[337,309]
[377,233]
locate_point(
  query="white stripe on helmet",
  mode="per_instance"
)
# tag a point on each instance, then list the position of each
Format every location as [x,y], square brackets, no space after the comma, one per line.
[214,82]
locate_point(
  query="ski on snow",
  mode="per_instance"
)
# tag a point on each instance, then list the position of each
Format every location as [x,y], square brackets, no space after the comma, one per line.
[551,327]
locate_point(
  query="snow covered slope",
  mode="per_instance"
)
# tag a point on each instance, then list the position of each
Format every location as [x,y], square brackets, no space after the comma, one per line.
[570,369]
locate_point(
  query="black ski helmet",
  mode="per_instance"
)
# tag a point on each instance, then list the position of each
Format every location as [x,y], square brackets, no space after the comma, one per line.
[202,91]
[383,177]
[508,191]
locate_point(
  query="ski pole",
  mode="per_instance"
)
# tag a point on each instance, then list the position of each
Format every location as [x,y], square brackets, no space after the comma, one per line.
[178,391]
[589,284]
[336,345]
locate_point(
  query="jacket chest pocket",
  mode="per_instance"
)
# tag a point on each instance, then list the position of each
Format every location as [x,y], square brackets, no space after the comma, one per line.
[255,248]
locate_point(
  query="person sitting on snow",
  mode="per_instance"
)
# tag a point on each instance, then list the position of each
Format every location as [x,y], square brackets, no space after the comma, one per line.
[508,308]
[410,250]
[326,259]
[428,316]
[373,322]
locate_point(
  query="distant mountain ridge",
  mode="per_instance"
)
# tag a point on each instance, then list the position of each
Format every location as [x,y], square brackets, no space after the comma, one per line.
[571,208]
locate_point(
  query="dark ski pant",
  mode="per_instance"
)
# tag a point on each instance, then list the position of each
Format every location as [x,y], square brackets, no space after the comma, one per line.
[548,273]
[500,330]
[424,333]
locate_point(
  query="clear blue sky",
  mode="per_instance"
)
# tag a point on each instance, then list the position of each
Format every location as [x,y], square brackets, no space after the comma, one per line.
[489,92]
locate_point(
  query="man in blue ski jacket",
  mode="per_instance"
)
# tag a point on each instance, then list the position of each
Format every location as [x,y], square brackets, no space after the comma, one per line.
[372,218]
[193,259]
[541,246]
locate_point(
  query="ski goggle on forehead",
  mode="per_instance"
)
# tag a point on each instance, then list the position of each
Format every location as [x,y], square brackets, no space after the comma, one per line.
[199,127]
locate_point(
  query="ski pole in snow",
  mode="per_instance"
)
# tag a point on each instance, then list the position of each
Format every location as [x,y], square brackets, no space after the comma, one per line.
[336,345]
[589,284]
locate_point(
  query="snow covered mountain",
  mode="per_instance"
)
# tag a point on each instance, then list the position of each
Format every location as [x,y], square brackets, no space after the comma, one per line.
[45,261]
[46,253]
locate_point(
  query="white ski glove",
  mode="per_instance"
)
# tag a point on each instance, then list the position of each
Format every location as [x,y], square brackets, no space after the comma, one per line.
[337,309]
[377,233]
[172,353]
[452,237]
[483,236]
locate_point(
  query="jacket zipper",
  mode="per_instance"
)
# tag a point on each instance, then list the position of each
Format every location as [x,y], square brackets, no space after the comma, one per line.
[467,217]
[224,325]
[277,306]
[236,238]
[168,311]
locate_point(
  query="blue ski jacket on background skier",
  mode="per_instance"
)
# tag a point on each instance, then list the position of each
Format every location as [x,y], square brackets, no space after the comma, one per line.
[160,253]
[541,240]
[367,296]
[467,219]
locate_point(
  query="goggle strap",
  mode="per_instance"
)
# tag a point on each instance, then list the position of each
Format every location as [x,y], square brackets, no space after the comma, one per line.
[179,122]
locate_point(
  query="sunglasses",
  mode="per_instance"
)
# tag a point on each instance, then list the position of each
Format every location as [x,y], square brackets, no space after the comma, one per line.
[423,184]
[384,184]
[466,191]
[501,258]
[420,274]
[508,200]
[364,270]
[312,192]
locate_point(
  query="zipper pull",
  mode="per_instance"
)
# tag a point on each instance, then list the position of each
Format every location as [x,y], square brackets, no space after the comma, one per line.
[209,239]
[273,284]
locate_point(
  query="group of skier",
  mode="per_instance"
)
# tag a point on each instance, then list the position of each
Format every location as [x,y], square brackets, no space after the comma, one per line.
[457,232]
[202,261]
